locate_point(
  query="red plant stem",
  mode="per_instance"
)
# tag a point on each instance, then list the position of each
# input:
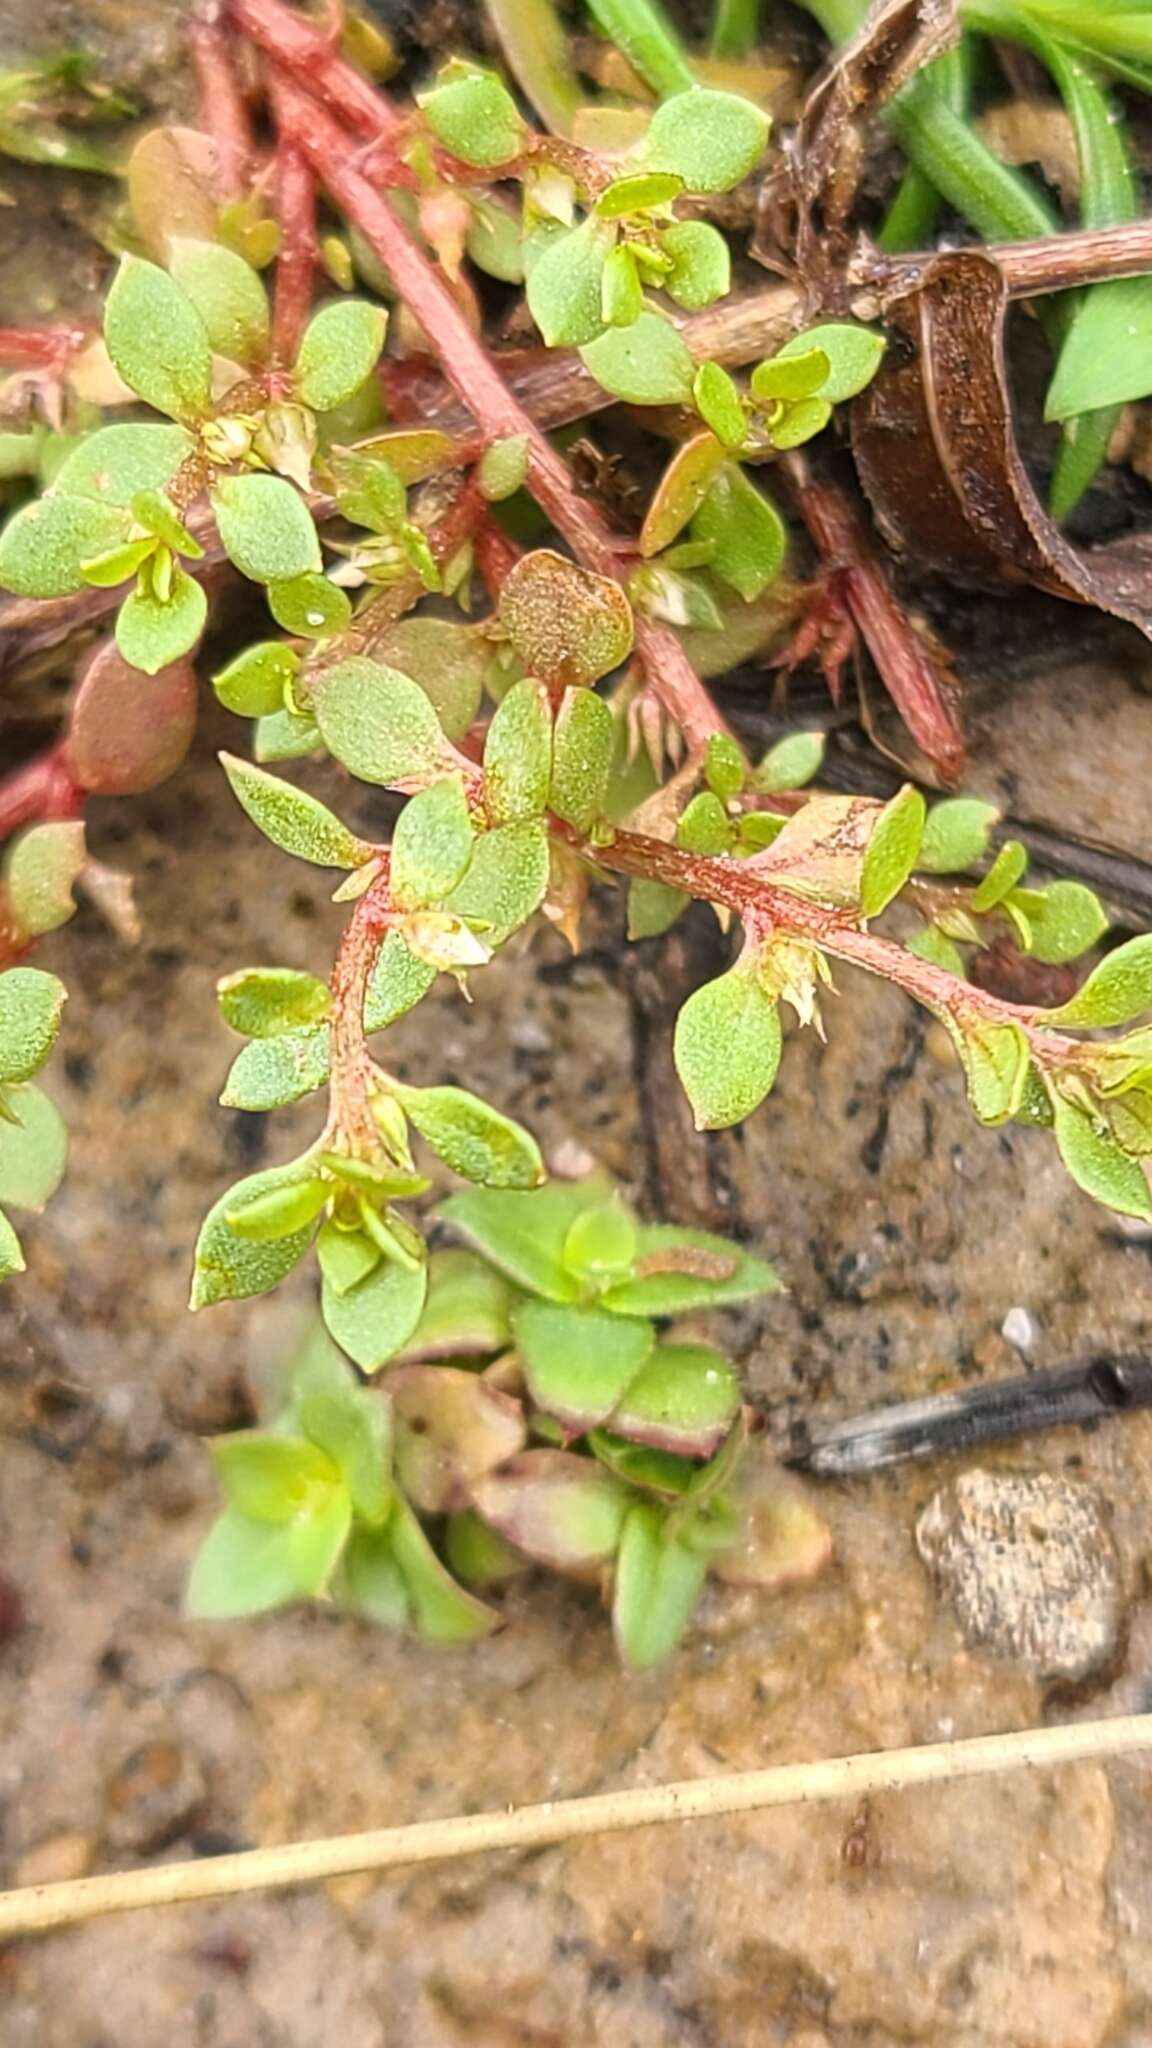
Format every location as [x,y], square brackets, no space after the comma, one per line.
[296,258]
[472,374]
[40,790]
[40,348]
[768,909]
[307,53]
[351,1105]
[900,656]
[223,114]
[496,555]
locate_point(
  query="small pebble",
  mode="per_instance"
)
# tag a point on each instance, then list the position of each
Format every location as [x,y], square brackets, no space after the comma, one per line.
[56,1860]
[154,1796]
[1019,1328]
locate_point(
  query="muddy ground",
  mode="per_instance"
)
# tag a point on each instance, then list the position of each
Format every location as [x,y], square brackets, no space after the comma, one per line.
[1007,1914]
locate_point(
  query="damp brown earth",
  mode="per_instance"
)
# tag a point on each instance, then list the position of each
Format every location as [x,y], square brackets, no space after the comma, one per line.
[1007,1914]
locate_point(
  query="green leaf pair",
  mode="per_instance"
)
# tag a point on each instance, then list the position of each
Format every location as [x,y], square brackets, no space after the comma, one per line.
[33,1140]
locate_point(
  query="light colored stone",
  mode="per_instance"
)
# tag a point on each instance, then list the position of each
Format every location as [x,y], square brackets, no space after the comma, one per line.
[1030,1566]
[56,1860]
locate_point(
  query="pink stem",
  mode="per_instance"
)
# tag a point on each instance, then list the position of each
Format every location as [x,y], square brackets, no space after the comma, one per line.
[903,661]
[40,790]
[223,114]
[296,258]
[476,381]
[351,1065]
[308,54]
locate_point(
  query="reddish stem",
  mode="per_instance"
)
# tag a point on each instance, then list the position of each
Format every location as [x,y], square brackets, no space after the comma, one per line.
[474,377]
[767,909]
[296,258]
[223,114]
[901,657]
[308,54]
[40,790]
[351,1104]
[40,348]
[496,555]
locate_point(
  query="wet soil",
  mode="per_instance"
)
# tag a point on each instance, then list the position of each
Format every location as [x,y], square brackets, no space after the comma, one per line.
[1010,1914]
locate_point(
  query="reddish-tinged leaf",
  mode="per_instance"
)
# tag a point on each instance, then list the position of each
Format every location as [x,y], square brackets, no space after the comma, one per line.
[128,731]
[681,491]
[451,1427]
[566,1512]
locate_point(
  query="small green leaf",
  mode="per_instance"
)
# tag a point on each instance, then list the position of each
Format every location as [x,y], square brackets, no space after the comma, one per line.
[799,375]
[494,240]
[441,1610]
[272,1072]
[791,763]
[475,117]
[379,723]
[41,867]
[562,1510]
[466,1310]
[720,405]
[701,269]
[285,736]
[233,1268]
[653,908]
[579,1362]
[353,1426]
[854,355]
[565,284]
[270,1478]
[725,769]
[1065,920]
[108,570]
[568,625]
[159,517]
[506,880]
[473,1138]
[261,1002]
[518,753]
[254,684]
[705,826]
[638,192]
[293,820]
[746,533]
[710,139]
[150,634]
[345,1257]
[228,295]
[683,487]
[996,1061]
[645,364]
[1097,1164]
[281,1212]
[158,341]
[892,850]
[431,845]
[265,526]
[1002,877]
[683,1399]
[503,468]
[30,1006]
[450,661]
[247,1567]
[309,605]
[621,293]
[376,1318]
[658,1582]
[33,1147]
[727,1048]
[43,547]
[601,1242]
[933,945]
[369,1580]
[115,463]
[1119,988]
[340,349]
[678,1271]
[955,835]
[582,753]
[397,983]
[801,422]
[524,1235]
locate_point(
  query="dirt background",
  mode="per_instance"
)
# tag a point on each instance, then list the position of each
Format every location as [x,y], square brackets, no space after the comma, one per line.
[1007,1914]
